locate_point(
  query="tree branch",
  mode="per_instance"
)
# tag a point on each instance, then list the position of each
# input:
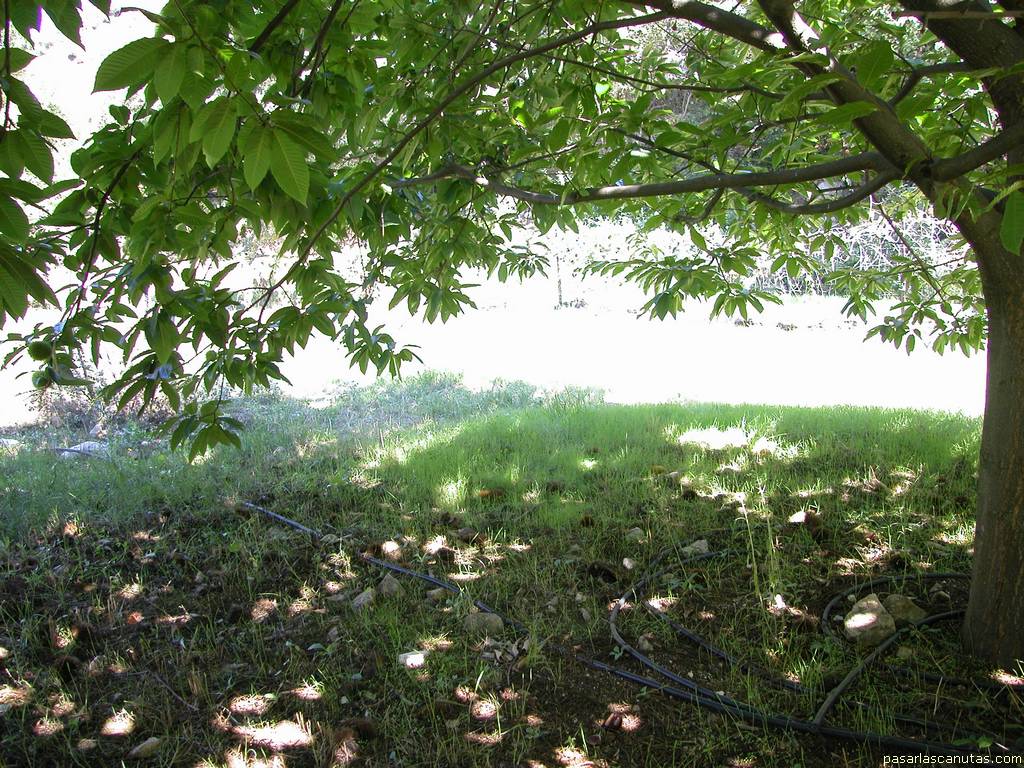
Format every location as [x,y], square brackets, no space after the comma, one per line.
[999,146]
[717,20]
[919,73]
[273,24]
[862,192]
[702,183]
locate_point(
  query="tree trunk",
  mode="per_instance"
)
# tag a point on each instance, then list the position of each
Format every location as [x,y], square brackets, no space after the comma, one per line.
[994,626]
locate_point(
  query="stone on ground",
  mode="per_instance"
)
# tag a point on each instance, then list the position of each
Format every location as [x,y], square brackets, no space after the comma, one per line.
[903,609]
[868,623]
[483,624]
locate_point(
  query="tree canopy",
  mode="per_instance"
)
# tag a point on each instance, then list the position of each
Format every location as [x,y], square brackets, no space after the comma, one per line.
[427,131]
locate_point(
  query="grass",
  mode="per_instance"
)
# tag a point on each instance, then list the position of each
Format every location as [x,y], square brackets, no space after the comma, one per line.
[139,600]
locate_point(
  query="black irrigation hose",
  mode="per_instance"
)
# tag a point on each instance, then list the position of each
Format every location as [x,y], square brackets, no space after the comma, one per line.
[691,691]
[723,655]
[931,677]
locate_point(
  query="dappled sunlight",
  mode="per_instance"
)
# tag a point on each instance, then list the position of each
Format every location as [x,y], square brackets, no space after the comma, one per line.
[435,643]
[484,710]
[62,705]
[451,493]
[119,724]
[308,692]
[401,449]
[63,636]
[574,757]
[304,603]
[251,704]
[435,545]
[237,758]
[15,695]
[262,609]
[178,620]
[278,735]
[588,464]
[311,446]
[622,717]
[1011,681]
[47,726]
[661,604]
[710,438]
[485,739]
[129,592]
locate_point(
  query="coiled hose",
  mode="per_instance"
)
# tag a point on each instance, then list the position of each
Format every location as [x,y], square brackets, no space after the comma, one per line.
[689,690]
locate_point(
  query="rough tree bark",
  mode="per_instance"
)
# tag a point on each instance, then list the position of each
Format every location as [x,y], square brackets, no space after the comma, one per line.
[994,625]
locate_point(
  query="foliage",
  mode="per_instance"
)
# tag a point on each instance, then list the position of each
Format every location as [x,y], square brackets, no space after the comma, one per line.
[133,561]
[427,132]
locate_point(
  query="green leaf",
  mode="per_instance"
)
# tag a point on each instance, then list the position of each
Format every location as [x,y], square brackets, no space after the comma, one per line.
[27,102]
[162,335]
[171,72]
[19,59]
[171,130]
[256,154]
[66,18]
[288,166]
[13,221]
[37,155]
[847,113]
[49,124]
[1011,231]
[217,124]
[130,65]
[872,63]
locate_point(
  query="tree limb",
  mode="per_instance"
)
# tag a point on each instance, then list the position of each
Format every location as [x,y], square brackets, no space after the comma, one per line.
[273,24]
[717,20]
[920,73]
[701,183]
[998,146]
[862,192]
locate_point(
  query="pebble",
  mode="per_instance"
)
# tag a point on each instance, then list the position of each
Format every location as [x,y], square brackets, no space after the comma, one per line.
[636,534]
[483,624]
[412,659]
[389,586]
[363,599]
[868,623]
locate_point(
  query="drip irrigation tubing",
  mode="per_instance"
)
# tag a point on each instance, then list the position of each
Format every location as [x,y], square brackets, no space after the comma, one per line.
[689,690]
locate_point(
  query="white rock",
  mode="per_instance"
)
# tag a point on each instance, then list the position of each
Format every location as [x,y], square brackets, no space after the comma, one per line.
[88,448]
[644,644]
[364,598]
[412,659]
[391,550]
[868,623]
[628,563]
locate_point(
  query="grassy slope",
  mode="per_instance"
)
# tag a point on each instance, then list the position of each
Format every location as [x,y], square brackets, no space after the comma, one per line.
[204,625]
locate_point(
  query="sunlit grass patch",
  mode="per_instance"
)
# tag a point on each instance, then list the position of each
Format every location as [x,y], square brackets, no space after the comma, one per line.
[247,650]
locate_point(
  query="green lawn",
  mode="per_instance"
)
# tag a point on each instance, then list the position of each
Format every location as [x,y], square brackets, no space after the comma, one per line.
[137,595]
